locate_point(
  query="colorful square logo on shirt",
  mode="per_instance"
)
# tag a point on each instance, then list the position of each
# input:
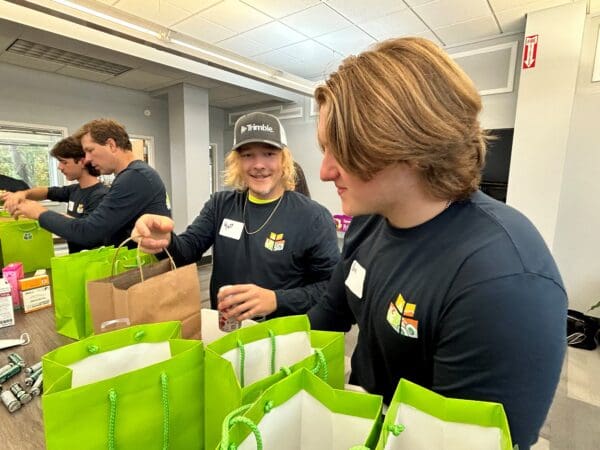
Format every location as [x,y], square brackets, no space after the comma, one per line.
[275,242]
[401,315]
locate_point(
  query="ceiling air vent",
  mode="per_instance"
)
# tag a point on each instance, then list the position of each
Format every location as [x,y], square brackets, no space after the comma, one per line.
[40,51]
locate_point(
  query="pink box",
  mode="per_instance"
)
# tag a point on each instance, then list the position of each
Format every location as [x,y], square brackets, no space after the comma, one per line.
[342,222]
[13,273]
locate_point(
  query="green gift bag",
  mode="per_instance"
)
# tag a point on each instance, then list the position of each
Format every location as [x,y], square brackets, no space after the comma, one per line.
[302,412]
[136,388]
[242,364]
[70,273]
[419,419]
[25,241]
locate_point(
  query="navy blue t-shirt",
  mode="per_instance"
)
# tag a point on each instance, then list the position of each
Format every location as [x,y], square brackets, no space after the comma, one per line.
[469,304]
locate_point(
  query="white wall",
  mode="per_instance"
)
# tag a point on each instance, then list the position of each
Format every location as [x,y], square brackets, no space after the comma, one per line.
[543,116]
[577,238]
[31,96]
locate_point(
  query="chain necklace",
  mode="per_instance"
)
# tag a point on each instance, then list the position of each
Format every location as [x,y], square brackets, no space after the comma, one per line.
[265,222]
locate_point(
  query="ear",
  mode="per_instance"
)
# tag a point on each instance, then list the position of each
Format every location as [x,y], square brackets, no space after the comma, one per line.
[112,145]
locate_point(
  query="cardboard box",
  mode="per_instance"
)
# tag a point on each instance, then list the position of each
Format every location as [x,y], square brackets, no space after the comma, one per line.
[7,315]
[13,273]
[35,292]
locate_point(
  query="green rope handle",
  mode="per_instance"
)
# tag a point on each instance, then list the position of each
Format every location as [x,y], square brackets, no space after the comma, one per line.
[273,351]
[242,351]
[396,429]
[112,413]
[320,365]
[112,418]
[165,403]
[234,418]
[286,370]
[93,348]
[138,335]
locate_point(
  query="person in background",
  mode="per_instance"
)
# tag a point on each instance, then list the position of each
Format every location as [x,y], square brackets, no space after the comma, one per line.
[273,249]
[301,185]
[10,184]
[450,288]
[82,198]
[137,189]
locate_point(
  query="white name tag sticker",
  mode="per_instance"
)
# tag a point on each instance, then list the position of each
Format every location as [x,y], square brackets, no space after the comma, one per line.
[356,279]
[231,229]
[70,206]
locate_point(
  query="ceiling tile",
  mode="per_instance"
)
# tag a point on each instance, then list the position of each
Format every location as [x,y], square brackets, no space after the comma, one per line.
[312,58]
[317,20]
[274,35]
[191,5]
[89,75]
[204,30]
[235,15]
[417,2]
[468,31]
[154,11]
[348,41]
[501,5]
[442,13]
[137,79]
[359,11]
[429,35]
[402,23]
[514,19]
[278,59]
[279,9]
[241,45]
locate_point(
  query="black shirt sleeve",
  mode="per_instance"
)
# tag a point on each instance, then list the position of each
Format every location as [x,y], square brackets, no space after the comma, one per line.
[126,199]
[60,193]
[322,256]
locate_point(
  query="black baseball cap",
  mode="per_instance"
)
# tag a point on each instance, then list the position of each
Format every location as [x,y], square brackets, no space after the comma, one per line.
[259,127]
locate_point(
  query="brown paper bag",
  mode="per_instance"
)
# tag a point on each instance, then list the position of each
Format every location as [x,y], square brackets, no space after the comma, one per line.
[165,294]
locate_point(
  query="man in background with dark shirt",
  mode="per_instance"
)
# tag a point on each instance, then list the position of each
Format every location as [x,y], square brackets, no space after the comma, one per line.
[81,198]
[137,189]
[12,184]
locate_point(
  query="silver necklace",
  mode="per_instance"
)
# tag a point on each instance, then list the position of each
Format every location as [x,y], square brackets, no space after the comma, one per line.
[265,222]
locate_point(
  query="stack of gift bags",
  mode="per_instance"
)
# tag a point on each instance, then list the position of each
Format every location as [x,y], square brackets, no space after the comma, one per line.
[274,385]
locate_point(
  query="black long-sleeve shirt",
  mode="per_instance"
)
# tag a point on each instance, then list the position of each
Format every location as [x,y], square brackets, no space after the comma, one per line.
[136,190]
[293,254]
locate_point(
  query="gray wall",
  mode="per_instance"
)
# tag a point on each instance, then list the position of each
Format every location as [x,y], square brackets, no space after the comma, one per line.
[35,97]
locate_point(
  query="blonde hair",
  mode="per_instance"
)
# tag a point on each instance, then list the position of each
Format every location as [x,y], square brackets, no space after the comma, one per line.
[405,101]
[234,175]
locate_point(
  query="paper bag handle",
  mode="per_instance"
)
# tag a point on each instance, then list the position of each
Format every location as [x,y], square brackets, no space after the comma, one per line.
[137,258]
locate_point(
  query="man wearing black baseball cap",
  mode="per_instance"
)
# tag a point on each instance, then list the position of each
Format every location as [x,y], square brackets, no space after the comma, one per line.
[273,249]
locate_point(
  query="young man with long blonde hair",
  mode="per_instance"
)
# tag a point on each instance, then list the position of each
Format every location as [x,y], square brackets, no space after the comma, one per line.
[273,249]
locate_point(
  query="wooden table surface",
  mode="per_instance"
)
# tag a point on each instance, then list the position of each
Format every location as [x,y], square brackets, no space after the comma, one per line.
[23,429]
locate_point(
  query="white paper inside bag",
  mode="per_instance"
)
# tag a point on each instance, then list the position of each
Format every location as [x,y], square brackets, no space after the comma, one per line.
[125,359]
[425,432]
[290,349]
[304,423]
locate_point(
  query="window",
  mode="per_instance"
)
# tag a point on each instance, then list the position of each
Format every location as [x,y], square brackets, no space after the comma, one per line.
[25,153]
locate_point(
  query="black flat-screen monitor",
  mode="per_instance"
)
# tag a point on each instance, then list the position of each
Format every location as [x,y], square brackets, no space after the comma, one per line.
[497,160]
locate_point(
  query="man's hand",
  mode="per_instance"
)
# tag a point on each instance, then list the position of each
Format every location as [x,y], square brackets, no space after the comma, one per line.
[246,301]
[27,208]
[152,232]
[12,199]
